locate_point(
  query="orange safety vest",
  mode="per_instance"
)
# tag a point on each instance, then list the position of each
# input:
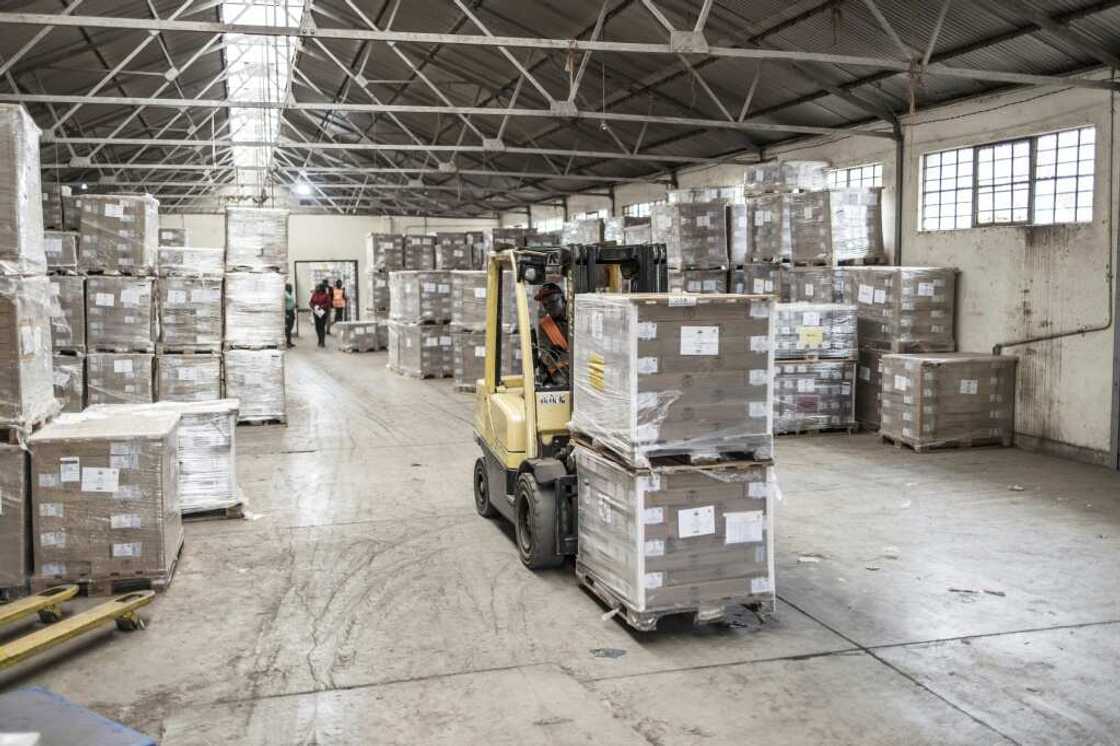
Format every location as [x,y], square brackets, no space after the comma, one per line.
[554,333]
[338,297]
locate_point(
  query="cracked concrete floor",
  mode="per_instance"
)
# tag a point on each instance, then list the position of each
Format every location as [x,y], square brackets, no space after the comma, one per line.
[922,601]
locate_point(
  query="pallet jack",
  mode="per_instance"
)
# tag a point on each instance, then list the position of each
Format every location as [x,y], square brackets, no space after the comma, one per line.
[48,605]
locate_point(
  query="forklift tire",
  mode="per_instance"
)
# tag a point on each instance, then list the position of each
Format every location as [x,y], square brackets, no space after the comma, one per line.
[535,527]
[482,490]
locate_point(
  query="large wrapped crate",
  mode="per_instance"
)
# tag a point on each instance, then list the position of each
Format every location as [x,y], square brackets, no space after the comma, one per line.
[821,285]
[499,239]
[205,451]
[469,356]
[453,251]
[857,224]
[70,382]
[172,237]
[468,300]
[581,232]
[254,310]
[814,395]
[384,252]
[121,314]
[378,295]
[420,297]
[188,378]
[53,193]
[256,239]
[68,313]
[739,234]
[194,261]
[728,195]
[15,564]
[671,375]
[21,206]
[678,539]
[256,379]
[72,213]
[637,234]
[791,227]
[119,234]
[697,280]
[104,497]
[786,176]
[869,388]
[190,314]
[694,234]
[421,350]
[26,388]
[906,309]
[815,330]
[948,399]
[120,378]
[61,251]
[419,252]
[760,279]
[358,336]
[614,229]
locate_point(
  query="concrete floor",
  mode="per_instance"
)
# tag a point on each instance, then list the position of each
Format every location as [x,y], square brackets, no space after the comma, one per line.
[922,600]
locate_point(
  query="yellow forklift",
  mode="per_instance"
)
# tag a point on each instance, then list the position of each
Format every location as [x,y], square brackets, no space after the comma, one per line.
[525,473]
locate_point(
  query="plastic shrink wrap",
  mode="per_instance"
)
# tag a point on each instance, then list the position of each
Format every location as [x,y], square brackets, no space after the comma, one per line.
[61,251]
[697,280]
[857,224]
[72,213]
[814,395]
[728,195]
[53,194]
[26,380]
[815,330]
[190,314]
[21,206]
[173,237]
[68,313]
[793,227]
[420,297]
[500,239]
[254,310]
[637,234]
[760,279]
[869,388]
[182,261]
[256,239]
[120,378]
[70,382]
[468,301]
[188,378]
[786,176]
[453,251]
[121,314]
[14,492]
[694,234]
[614,229]
[419,252]
[666,540]
[119,234]
[421,351]
[582,232]
[104,495]
[358,336]
[384,252]
[906,309]
[469,356]
[256,379]
[739,234]
[821,285]
[664,375]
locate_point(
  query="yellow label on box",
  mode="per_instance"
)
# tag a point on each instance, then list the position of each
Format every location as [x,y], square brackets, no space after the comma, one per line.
[810,336]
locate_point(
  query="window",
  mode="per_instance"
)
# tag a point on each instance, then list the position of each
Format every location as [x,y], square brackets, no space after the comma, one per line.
[548,225]
[1039,180]
[641,209]
[869,175]
[600,214]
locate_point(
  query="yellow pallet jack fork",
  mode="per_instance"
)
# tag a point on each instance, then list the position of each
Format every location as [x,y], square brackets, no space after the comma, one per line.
[48,605]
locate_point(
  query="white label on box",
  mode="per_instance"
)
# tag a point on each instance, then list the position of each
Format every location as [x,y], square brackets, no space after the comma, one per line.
[901,382]
[744,527]
[480,350]
[807,213]
[760,343]
[710,286]
[759,285]
[53,246]
[760,310]
[104,299]
[187,374]
[444,288]
[130,549]
[699,340]
[647,330]
[864,373]
[52,510]
[760,585]
[26,340]
[428,287]
[131,296]
[445,341]
[696,521]
[650,483]
[175,297]
[681,300]
[49,480]
[431,341]
[70,469]
[655,548]
[205,295]
[880,295]
[647,365]
[811,318]
[759,377]
[124,520]
[122,366]
[652,580]
[124,461]
[866,293]
[758,489]
[53,538]
[808,290]
[758,409]
[54,568]
[596,324]
[114,211]
[100,480]
[702,221]
[806,385]
[969,386]
[925,288]
[653,516]
[480,292]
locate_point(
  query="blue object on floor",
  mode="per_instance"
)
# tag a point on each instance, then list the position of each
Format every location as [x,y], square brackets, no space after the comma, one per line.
[60,722]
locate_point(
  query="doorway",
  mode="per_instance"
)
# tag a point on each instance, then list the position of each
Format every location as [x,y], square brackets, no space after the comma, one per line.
[310,273]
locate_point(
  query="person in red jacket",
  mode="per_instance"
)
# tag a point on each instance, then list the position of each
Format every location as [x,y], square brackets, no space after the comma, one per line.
[320,308]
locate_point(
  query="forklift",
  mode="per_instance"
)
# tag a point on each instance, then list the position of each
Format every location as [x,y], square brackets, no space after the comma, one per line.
[526,474]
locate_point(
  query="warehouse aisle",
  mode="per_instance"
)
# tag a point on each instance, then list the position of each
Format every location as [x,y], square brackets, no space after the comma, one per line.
[366,602]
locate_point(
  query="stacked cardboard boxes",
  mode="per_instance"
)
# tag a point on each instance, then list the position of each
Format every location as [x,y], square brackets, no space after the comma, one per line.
[695,238]
[815,345]
[53,194]
[453,251]
[614,230]
[419,252]
[189,363]
[61,250]
[119,234]
[384,254]
[419,327]
[15,557]
[361,336]
[582,232]
[468,328]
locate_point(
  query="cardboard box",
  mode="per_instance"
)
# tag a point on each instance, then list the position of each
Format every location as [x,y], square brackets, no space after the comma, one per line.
[698,281]
[637,234]
[15,559]
[869,388]
[729,195]
[256,240]
[358,336]
[69,376]
[614,229]
[821,285]
[582,232]
[377,291]
[857,224]
[121,314]
[119,234]
[677,539]
[104,496]
[68,313]
[21,205]
[384,252]
[803,330]
[760,279]
[419,252]
[61,251]
[254,310]
[173,237]
[120,378]
[499,239]
[420,297]
[194,261]
[817,395]
[453,251]
[791,227]
[665,375]
[468,301]
[52,195]
[906,309]
[188,378]
[72,213]
[785,176]
[190,314]
[694,234]
[468,349]
[26,382]
[256,379]
[739,234]
[421,350]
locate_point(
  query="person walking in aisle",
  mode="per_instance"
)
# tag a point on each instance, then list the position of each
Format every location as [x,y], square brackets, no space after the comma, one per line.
[338,301]
[320,309]
[289,312]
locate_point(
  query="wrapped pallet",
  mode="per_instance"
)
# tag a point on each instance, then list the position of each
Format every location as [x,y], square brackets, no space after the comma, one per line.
[119,234]
[869,388]
[697,280]
[254,310]
[814,395]
[760,279]
[468,301]
[377,292]
[21,207]
[665,541]
[614,229]
[453,251]
[172,237]
[906,309]
[420,297]
[637,234]
[68,313]
[666,375]
[935,400]
[121,314]
[419,252]
[53,194]
[26,388]
[256,379]
[500,239]
[582,232]
[120,378]
[694,234]
[188,378]
[256,239]
[61,251]
[739,234]
[15,565]
[70,382]
[104,497]
[821,285]
[190,314]
[358,336]
[818,330]
[786,176]
[384,252]
[728,195]
[182,261]
[72,213]
[791,227]
[469,356]
[857,224]
[421,351]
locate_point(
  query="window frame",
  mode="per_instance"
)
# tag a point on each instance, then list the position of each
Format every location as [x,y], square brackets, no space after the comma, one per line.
[1032,142]
[847,171]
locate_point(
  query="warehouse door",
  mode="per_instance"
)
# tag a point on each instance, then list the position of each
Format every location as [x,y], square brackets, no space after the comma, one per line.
[311,273]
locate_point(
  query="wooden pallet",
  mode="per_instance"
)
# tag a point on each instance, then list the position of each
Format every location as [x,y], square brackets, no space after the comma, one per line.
[900,347]
[70,351]
[358,348]
[745,453]
[188,350]
[231,512]
[415,376]
[276,420]
[107,350]
[849,429]
[115,273]
[900,443]
[109,585]
[17,436]
[862,261]
[13,592]
[465,388]
[253,348]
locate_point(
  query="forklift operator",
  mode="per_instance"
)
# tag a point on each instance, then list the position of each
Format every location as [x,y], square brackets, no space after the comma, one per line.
[552,336]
